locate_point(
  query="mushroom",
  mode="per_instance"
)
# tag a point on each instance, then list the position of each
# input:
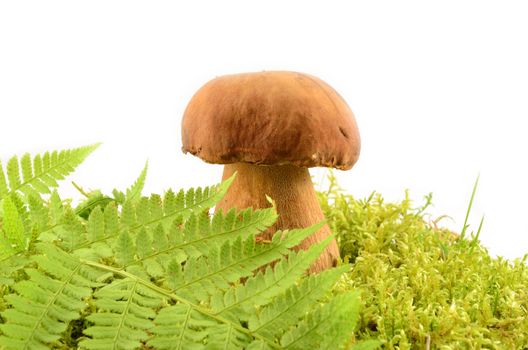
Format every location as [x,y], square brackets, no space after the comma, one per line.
[270,127]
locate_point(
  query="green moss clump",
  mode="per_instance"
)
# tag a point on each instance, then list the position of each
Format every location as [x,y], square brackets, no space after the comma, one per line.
[425,287]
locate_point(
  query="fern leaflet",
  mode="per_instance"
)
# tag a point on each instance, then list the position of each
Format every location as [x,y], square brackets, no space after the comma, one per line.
[134,192]
[291,306]
[12,226]
[125,313]
[326,328]
[198,235]
[235,259]
[45,304]
[237,302]
[40,174]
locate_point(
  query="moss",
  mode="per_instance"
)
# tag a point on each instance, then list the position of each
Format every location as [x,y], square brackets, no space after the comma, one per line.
[425,287]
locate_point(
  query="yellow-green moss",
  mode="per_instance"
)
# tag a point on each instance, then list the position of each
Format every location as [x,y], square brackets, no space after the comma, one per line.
[425,287]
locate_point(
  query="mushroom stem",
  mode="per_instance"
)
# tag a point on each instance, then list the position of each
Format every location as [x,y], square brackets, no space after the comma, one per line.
[296,201]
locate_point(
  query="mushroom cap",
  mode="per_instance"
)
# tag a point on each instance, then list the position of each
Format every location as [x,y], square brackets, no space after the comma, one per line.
[271,118]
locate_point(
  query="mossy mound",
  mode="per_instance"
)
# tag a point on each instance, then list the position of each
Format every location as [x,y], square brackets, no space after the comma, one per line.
[425,287]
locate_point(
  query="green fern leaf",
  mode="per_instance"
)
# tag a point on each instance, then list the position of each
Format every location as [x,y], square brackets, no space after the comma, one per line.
[227,264]
[71,233]
[124,248]
[128,215]
[225,336]
[155,247]
[125,310]
[41,174]
[96,225]
[56,207]
[180,327]
[38,214]
[10,264]
[111,220]
[288,308]
[370,344]
[27,168]
[262,288]
[183,327]
[329,327]
[134,192]
[6,249]
[182,206]
[43,306]
[12,225]
[3,182]
[13,173]
[259,345]
[153,211]
[18,226]
[157,272]
[205,233]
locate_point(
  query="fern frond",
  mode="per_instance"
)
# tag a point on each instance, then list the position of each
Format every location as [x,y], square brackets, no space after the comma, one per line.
[134,191]
[71,232]
[40,174]
[4,190]
[157,220]
[125,310]
[153,211]
[183,327]
[370,344]
[180,327]
[225,336]
[13,173]
[150,212]
[236,302]
[289,307]
[38,214]
[259,345]
[125,315]
[195,322]
[18,228]
[124,249]
[155,271]
[10,264]
[157,246]
[12,225]
[6,249]
[326,328]
[235,259]
[43,306]
[95,225]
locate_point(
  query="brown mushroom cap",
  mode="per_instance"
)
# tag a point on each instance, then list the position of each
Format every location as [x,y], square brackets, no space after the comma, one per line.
[271,118]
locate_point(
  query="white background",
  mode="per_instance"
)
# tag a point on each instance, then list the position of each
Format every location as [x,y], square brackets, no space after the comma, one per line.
[439,89]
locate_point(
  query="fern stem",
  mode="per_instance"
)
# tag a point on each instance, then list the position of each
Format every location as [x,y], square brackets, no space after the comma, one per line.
[179,299]
[184,326]
[125,311]
[229,332]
